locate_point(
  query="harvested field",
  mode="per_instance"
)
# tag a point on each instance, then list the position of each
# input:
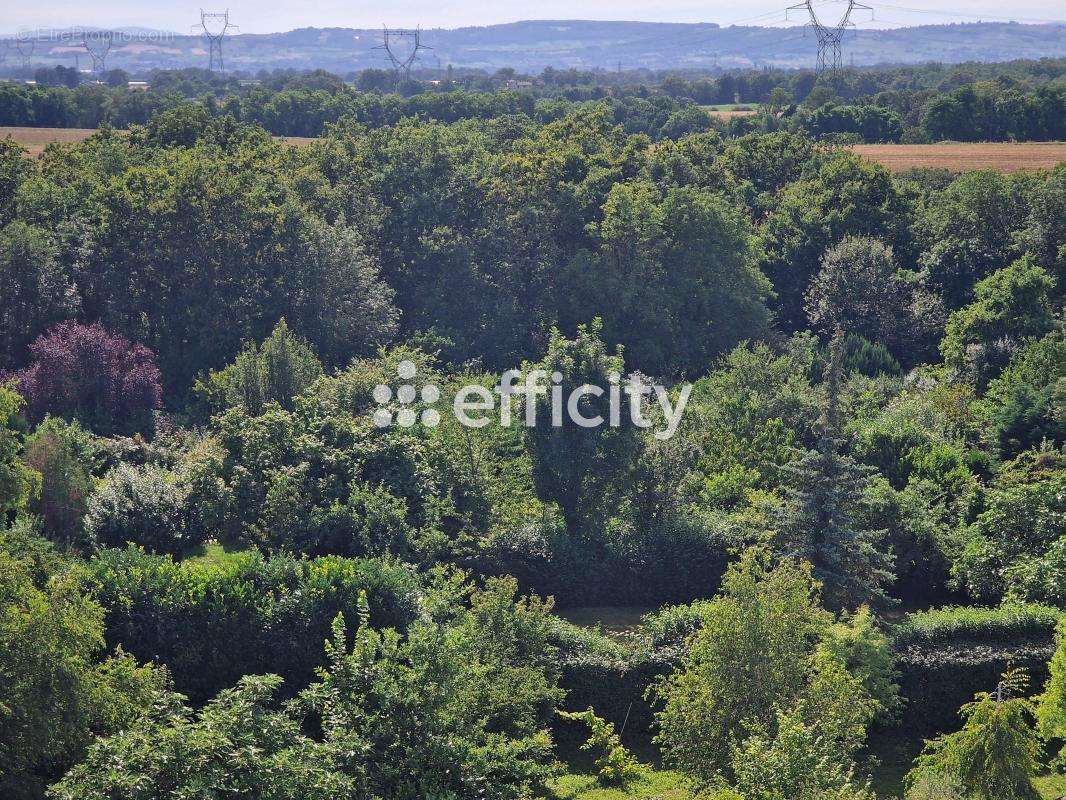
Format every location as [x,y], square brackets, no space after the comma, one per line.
[965,157]
[35,139]
[728,112]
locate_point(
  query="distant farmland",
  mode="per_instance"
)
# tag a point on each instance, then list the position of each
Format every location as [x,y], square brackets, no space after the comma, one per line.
[35,139]
[959,156]
[964,157]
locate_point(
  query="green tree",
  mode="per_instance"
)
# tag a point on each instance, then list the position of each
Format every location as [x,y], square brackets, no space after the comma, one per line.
[275,372]
[1051,710]
[614,764]
[63,453]
[859,288]
[967,232]
[580,468]
[823,521]
[759,652]
[1011,306]
[845,196]
[37,293]
[237,745]
[18,482]
[793,763]
[57,689]
[995,754]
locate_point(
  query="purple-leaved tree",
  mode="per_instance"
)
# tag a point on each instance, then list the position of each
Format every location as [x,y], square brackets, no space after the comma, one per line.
[83,372]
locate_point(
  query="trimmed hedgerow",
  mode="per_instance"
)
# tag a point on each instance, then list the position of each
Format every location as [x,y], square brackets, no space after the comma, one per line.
[210,622]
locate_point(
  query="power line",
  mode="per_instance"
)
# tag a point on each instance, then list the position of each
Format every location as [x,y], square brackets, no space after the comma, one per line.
[949,13]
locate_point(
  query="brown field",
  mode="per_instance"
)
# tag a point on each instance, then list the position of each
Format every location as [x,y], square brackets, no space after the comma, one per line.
[729,113]
[35,139]
[963,157]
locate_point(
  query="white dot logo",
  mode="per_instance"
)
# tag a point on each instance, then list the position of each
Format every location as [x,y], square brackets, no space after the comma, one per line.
[406,395]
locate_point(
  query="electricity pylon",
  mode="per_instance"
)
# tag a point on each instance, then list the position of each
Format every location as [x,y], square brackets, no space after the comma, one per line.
[214,27]
[98,44]
[829,37]
[402,63]
[25,44]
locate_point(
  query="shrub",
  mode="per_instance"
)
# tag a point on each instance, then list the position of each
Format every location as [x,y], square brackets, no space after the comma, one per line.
[143,505]
[283,367]
[760,652]
[994,756]
[64,455]
[18,483]
[615,766]
[1051,712]
[59,687]
[1008,623]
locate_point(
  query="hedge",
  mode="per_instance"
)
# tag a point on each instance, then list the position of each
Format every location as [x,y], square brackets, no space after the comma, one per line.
[212,622]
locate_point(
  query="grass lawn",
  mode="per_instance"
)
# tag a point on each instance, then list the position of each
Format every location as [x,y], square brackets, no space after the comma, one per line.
[654,785]
[668,785]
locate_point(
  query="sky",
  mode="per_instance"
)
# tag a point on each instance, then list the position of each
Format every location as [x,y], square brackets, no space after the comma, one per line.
[266,16]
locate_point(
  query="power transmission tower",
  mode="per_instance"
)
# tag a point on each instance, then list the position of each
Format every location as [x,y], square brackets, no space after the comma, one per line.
[401,63]
[98,44]
[830,37]
[214,27]
[25,44]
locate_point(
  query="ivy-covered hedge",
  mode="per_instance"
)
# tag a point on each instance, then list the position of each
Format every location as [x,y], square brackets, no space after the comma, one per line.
[210,622]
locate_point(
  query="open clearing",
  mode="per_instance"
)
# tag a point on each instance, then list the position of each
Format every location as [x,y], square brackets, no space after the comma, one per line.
[960,156]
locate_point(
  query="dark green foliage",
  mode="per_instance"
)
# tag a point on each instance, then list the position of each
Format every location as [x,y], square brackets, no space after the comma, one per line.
[212,622]
[948,655]
[1017,545]
[472,230]
[37,291]
[764,648]
[578,467]
[452,709]
[1011,307]
[59,686]
[64,455]
[18,482]
[844,196]
[822,522]
[238,744]
[283,367]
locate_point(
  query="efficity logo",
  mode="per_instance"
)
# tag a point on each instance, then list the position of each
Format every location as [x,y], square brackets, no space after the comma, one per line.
[629,401]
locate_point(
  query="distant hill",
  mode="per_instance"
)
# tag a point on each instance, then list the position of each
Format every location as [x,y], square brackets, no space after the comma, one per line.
[531,46]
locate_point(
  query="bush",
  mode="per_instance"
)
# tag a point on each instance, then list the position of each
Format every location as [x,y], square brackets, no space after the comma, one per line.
[615,766]
[141,505]
[64,454]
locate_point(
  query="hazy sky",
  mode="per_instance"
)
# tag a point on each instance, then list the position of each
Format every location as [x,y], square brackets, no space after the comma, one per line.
[263,16]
